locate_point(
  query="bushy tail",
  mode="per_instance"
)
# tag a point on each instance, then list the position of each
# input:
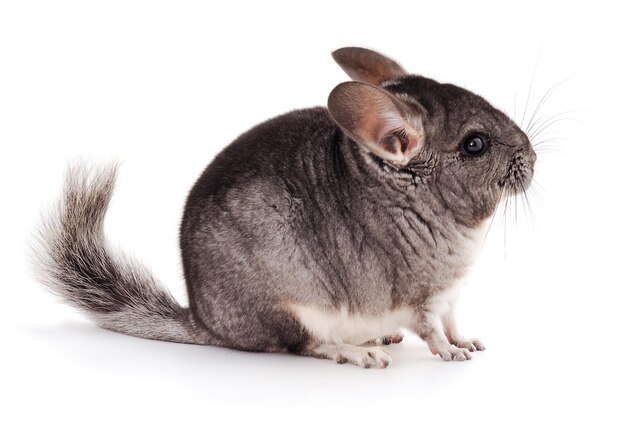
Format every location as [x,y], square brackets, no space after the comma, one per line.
[76,263]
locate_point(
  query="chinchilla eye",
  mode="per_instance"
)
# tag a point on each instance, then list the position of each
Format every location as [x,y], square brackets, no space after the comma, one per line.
[474,145]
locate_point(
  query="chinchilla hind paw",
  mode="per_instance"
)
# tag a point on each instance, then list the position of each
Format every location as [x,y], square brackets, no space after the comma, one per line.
[366,357]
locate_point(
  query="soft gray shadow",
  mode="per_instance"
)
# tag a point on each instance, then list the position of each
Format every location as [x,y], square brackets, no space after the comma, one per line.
[238,375]
[90,343]
[85,340]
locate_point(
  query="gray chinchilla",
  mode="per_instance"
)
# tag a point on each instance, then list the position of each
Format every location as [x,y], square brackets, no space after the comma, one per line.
[320,232]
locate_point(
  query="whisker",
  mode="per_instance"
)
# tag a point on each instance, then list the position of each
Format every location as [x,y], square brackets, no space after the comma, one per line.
[535,182]
[524,205]
[532,80]
[548,144]
[506,211]
[547,125]
[548,150]
[545,97]
[532,220]
[542,121]
[535,194]
[493,217]
[546,136]
[515,197]
[549,140]
[546,122]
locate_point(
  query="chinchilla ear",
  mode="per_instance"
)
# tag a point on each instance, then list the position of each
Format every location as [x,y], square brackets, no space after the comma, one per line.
[377,120]
[367,66]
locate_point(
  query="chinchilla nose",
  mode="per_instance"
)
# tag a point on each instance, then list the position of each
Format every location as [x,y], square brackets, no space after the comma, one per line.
[532,156]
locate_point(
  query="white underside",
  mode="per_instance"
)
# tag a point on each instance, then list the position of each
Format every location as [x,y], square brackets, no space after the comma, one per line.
[340,326]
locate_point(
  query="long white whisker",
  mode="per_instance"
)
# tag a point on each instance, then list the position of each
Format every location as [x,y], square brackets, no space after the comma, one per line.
[545,97]
[548,139]
[506,210]
[493,217]
[535,194]
[544,126]
[532,80]
[541,121]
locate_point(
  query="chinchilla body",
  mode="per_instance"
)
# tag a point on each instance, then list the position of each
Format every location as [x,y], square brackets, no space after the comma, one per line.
[293,214]
[317,231]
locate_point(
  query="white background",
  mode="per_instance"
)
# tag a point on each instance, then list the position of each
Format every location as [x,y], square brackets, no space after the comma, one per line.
[165,86]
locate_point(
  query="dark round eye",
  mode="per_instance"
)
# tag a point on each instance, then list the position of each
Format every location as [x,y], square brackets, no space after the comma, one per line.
[474,145]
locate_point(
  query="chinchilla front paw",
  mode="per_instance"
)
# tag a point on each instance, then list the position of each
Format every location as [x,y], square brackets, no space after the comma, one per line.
[453,353]
[472,344]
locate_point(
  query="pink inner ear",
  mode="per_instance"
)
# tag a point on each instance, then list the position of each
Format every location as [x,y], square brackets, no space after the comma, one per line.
[388,130]
[381,119]
[402,144]
[407,141]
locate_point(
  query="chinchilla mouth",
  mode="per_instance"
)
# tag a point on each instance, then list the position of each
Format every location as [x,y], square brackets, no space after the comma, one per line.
[519,174]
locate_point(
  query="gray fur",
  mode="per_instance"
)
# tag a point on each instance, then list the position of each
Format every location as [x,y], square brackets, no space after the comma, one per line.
[300,211]
[79,266]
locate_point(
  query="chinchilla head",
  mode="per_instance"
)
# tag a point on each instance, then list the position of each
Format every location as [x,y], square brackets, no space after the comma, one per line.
[447,137]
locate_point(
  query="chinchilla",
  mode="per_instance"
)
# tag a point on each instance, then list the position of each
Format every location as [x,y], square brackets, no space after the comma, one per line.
[321,232]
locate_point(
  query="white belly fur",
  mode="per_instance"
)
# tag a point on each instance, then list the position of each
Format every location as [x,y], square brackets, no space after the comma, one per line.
[340,326]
